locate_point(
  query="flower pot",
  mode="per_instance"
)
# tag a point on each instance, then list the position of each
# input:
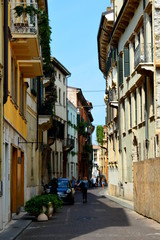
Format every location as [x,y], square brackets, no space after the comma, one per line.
[42,217]
[50,210]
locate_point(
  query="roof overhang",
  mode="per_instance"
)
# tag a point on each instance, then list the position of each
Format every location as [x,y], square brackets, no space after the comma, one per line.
[104,33]
[30,68]
[58,65]
[125,15]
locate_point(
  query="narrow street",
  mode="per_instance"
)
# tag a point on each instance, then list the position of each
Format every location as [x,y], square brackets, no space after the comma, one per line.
[100,218]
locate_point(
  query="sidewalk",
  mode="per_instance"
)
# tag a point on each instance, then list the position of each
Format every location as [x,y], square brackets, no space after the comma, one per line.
[121,201]
[16,226]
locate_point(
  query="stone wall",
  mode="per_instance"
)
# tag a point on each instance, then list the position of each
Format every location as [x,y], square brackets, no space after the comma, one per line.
[147,188]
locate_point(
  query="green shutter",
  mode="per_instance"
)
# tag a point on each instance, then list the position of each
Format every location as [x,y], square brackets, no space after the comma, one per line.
[126,62]
[120,69]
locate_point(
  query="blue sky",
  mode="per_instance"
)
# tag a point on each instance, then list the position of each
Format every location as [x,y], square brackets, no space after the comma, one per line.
[75,25]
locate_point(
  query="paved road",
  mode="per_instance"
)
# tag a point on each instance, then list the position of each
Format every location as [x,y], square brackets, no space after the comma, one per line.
[100,218]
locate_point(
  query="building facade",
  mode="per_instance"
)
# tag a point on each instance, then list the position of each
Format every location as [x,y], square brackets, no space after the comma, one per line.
[22,64]
[95,162]
[85,130]
[61,143]
[72,162]
[131,64]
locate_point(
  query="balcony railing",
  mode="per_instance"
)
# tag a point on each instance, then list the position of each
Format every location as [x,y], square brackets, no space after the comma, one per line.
[45,108]
[26,23]
[143,54]
[68,144]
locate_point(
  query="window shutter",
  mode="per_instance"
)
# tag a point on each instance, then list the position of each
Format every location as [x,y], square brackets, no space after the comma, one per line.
[126,62]
[120,73]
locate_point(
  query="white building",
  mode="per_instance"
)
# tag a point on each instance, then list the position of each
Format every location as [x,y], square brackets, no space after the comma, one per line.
[72,162]
[129,57]
[95,161]
[59,131]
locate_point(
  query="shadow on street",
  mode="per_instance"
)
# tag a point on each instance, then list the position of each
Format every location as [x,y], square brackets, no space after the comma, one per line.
[79,219]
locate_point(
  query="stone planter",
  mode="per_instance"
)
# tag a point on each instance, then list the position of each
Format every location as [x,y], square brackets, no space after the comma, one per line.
[50,210]
[42,217]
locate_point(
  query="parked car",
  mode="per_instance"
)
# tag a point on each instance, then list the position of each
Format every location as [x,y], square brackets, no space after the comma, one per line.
[65,190]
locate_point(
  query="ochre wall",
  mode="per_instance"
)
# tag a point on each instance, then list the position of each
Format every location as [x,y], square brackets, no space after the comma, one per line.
[147,188]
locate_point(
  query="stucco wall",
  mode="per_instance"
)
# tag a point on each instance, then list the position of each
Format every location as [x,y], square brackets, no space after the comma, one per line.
[147,188]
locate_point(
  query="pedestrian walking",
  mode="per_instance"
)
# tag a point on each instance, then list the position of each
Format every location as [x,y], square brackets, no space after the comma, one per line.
[103,182]
[84,186]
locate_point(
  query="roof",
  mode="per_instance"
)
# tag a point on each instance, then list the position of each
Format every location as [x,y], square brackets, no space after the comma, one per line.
[104,33]
[58,65]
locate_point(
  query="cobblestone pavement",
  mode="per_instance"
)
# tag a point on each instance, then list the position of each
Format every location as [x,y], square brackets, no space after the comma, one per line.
[99,218]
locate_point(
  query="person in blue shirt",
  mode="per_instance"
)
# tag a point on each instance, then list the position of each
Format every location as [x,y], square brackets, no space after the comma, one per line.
[84,186]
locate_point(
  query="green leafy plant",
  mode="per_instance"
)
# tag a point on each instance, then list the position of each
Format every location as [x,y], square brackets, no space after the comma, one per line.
[19,10]
[73,153]
[34,92]
[87,150]
[35,205]
[100,134]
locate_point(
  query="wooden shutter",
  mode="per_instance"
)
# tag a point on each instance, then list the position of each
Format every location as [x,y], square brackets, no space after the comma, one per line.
[120,70]
[126,62]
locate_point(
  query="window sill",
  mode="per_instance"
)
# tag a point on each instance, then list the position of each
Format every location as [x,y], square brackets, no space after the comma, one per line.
[135,127]
[121,86]
[124,134]
[133,73]
[130,130]
[141,124]
[14,102]
[128,79]
[152,118]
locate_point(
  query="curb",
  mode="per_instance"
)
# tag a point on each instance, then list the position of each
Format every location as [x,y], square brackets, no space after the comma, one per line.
[120,201]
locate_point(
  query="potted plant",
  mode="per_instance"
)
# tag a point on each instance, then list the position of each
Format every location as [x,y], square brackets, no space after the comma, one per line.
[42,206]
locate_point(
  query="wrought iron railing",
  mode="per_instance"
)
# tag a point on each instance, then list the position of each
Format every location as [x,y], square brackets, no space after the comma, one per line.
[25,23]
[68,143]
[143,54]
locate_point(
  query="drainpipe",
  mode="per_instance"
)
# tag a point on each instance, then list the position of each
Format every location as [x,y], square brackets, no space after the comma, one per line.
[5,51]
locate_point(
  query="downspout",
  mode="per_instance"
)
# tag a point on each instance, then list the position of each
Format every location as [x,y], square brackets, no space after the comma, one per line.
[5,51]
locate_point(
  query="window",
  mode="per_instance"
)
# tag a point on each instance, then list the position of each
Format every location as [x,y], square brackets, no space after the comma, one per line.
[14,80]
[120,69]
[53,162]
[21,95]
[59,76]
[151,97]
[60,162]
[135,107]
[59,96]
[64,80]
[34,86]
[57,162]
[140,104]
[64,99]
[130,112]
[123,115]
[15,85]
[12,77]
[126,62]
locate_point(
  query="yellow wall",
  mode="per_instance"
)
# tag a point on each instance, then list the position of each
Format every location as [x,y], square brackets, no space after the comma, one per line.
[11,110]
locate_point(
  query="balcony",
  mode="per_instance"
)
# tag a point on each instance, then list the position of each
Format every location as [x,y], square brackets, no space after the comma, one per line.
[24,32]
[68,144]
[31,68]
[143,59]
[45,113]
